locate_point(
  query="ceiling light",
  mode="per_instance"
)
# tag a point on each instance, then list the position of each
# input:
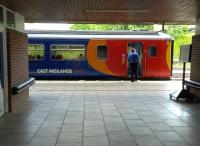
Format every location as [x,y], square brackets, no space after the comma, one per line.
[116,11]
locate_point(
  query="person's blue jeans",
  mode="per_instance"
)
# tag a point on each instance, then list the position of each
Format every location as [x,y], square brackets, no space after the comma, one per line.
[133,68]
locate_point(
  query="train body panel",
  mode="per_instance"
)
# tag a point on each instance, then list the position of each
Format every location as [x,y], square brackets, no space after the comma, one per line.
[115,62]
[100,57]
[49,68]
[155,64]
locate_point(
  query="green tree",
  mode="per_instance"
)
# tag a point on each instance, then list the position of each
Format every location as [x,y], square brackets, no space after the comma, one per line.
[182,35]
[110,27]
[177,30]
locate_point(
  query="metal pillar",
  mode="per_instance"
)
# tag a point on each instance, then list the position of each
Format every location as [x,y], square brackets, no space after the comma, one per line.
[184,65]
[163,26]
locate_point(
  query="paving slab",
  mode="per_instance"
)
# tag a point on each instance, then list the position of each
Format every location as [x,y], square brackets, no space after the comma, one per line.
[102,113]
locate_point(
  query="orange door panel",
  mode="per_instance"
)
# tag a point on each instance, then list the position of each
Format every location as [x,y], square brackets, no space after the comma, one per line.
[117,57]
[155,63]
[116,62]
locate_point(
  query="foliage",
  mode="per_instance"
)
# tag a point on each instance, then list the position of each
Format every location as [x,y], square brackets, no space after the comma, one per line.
[181,40]
[177,30]
[71,55]
[35,51]
[182,36]
[181,33]
[110,27]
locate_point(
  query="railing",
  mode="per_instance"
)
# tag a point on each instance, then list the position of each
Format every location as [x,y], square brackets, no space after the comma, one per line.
[190,83]
[20,87]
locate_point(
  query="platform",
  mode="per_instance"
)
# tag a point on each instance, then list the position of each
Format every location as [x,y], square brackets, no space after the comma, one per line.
[102,113]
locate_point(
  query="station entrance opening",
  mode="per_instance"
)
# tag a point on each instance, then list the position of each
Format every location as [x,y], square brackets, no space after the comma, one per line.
[156,59]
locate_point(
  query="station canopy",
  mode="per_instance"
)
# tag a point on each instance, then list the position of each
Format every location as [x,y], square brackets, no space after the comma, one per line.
[107,11]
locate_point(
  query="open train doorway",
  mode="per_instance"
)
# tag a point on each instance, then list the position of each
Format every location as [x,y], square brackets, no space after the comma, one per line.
[139,49]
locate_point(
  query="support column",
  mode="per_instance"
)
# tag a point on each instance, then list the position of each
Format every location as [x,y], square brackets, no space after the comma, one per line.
[17,53]
[14,70]
[195,58]
[163,26]
[197,29]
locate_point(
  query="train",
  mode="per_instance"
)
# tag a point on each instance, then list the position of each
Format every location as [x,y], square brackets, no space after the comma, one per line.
[103,55]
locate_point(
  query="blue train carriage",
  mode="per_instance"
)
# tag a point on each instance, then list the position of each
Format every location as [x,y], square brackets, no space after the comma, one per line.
[98,54]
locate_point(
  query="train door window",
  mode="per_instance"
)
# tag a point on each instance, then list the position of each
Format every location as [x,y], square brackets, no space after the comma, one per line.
[152,51]
[10,19]
[102,52]
[35,52]
[68,52]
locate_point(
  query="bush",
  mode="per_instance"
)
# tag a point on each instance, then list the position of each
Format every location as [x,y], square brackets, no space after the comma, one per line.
[182,39]
[182,36]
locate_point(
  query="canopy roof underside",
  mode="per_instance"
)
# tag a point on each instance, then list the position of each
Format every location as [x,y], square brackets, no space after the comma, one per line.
[107,11]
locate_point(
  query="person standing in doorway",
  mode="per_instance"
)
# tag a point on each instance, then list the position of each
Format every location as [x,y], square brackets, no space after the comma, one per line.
[133,59]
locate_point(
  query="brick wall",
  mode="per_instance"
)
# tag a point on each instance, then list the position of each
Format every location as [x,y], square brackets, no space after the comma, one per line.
[17,67]
[195,65]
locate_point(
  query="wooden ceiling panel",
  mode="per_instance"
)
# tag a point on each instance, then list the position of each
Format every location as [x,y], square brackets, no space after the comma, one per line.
[106,11]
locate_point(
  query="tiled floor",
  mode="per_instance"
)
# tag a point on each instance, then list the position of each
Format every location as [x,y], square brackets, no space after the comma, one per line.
[102,113]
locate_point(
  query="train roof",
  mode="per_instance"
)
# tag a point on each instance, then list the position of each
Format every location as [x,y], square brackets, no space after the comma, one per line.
[137,35]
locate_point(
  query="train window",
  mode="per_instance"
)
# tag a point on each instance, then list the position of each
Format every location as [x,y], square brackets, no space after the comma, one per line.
[35,52]
[102,52]
[68,52]
[152,52]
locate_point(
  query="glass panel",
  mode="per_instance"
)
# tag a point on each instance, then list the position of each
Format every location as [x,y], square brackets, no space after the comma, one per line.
[102,52]
[10,19]
[1,58]
[1,76]
[1,16]
[35,52]
[152,52]
[68,52]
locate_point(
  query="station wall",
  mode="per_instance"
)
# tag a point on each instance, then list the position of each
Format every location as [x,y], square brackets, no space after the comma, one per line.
[15,61]
[195,59]
[17,55]
[197,28]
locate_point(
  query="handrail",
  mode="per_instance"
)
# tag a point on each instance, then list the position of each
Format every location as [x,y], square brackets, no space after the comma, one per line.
[191,83]
[20,87]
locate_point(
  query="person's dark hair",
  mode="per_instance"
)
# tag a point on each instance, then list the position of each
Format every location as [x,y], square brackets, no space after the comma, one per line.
[39,57]
[53,57]
[133,50]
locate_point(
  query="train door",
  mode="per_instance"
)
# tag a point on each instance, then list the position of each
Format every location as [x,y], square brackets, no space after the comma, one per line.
[1,76]
[139,49]
[117,54]
[151,60]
